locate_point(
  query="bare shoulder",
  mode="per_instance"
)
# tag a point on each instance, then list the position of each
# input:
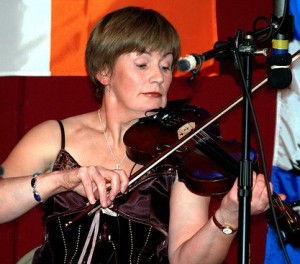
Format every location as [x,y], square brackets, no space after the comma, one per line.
[50,130]
[39,147]
[46,134]
[85,120]
[82,137]
[36,150]
[81,124]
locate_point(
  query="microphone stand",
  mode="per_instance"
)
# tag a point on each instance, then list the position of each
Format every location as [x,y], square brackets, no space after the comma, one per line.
[243,51]
[245,179]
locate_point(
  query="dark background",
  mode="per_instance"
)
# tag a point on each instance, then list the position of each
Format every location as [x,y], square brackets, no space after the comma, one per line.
[27,101]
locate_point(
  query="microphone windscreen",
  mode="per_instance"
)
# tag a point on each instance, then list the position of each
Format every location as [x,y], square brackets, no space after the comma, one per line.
[183,65]
[280,78]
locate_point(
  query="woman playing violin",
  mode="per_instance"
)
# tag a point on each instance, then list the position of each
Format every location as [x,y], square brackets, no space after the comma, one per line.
[130,56]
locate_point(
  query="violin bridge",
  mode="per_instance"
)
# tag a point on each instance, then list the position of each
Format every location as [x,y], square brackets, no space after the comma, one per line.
[185,129]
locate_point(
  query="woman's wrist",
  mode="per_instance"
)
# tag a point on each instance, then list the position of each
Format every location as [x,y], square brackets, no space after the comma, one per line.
[36,194]
[45,185]
[227,218]
[224,227]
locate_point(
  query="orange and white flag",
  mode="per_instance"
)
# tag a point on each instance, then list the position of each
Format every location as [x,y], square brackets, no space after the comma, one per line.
[48,37]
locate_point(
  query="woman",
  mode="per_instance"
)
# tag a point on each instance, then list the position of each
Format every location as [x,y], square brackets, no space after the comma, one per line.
[130,56]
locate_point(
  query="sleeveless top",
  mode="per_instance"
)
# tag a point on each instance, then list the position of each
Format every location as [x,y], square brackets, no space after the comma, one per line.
[135,230]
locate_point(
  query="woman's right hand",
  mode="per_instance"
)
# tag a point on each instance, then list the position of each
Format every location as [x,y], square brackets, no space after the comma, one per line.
[93,182]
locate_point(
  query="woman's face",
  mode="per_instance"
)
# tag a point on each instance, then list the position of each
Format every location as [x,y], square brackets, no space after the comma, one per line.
[140,81]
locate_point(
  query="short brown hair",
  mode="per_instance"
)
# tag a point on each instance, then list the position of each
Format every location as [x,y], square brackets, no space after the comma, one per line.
[127,30]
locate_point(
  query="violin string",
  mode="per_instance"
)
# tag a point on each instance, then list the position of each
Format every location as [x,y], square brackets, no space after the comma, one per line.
[117,165]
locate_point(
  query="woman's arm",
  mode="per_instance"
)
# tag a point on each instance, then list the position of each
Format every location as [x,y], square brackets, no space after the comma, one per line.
[36,152]
[195,238]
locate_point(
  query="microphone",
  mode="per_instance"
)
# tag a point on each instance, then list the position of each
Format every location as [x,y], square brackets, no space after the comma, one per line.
[189,62]
[279,73]
[193,62]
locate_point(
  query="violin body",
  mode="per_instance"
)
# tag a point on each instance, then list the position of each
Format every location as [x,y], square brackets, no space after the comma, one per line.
[208,164]
[211,173]
[159,132]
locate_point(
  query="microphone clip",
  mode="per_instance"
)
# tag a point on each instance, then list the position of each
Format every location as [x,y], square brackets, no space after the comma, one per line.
[196,72]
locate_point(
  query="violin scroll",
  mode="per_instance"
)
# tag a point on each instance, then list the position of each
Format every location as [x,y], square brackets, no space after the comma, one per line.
[288,219]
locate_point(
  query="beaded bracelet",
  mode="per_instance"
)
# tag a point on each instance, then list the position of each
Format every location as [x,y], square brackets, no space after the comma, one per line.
[36,194]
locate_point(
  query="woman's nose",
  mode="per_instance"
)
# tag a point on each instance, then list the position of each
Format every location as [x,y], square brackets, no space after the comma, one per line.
[157,75]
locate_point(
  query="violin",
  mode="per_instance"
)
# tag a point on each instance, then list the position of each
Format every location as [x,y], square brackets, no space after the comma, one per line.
[207,163]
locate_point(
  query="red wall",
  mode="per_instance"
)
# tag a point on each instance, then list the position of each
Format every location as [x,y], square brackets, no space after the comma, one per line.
[26,101]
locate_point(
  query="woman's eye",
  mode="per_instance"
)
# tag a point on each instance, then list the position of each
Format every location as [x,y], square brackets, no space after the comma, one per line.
[165,68]
[142,66]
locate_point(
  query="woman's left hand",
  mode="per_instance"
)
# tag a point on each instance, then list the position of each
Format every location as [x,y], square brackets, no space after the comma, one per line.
[228,210]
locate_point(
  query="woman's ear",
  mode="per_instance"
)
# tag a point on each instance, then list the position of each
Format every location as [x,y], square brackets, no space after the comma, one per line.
[103,78]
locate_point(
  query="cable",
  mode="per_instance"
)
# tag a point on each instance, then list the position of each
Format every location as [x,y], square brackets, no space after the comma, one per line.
[238,60]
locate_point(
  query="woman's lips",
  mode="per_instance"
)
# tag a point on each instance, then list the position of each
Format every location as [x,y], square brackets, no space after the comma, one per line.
[153,94]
